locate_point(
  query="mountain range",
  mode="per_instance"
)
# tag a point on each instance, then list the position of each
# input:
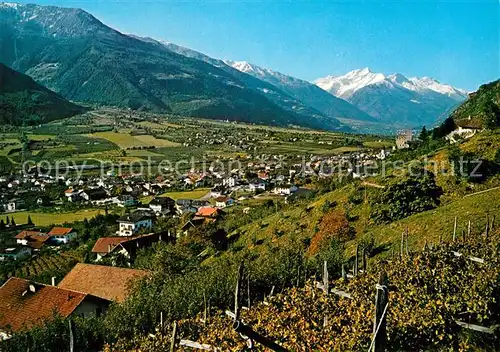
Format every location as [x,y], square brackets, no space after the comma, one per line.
[23,101]
[304,91]
[72,53]
[395,99]
[274,93]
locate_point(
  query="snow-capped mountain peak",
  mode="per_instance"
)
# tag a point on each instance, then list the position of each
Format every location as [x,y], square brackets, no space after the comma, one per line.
[345,86]
[398,78]
[242,66]
[254,70]
[9,5]
[395,98]
[428,83]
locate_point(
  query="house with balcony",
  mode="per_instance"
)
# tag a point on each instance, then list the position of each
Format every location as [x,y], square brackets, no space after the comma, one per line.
[132,224]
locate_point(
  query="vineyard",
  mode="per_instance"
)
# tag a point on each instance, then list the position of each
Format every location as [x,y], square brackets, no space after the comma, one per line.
[43,267]
[432,294]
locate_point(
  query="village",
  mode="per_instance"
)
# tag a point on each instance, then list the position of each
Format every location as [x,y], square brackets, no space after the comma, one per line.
[270,177]
[108,214]
[142,202]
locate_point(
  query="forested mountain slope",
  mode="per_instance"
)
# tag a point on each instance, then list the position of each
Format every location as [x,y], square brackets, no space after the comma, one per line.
[23,101]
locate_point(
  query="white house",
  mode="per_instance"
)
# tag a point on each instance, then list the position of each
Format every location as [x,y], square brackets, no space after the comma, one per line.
[461,133]
[62,235]
[285,190]
[254,186]
[230,181]
[222,202]
[162,205]
[131,224]
[382,155]
[124,200]
[72,195]
[14,204]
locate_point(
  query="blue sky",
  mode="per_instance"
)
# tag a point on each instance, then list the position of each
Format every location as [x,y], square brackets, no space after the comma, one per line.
[456,42]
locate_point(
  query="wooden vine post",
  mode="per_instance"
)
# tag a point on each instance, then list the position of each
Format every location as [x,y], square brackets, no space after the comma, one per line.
[71,336]
[244,330]
[356,261]
[406,240]
[487,230]
[365,264]
[344,274]
[468,230]
[379,323]
[325,277]
[174,337]
[249,301]
[251,334]
[205,313]
[237,293]
[402,243]
[455,230]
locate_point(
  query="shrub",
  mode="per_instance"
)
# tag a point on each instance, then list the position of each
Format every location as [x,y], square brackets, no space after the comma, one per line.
[400,200]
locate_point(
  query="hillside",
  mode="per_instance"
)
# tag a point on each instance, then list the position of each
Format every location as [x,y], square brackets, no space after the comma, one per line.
[429,290]
[73,53]
[23,101]
[284,245]
[482,109]
[277,244]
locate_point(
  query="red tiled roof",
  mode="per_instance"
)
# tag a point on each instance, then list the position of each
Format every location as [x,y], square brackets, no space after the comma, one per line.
[208,211]
[103,243]
[18,311]
[60,231]
[32,234]
[106,282]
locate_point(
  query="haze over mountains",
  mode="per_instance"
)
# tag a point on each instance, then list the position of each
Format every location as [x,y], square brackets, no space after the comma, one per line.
[74,54]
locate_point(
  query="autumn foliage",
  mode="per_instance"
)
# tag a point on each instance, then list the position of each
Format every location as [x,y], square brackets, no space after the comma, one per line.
[333,226]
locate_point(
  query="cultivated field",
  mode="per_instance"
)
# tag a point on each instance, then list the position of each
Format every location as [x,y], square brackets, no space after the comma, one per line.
[195,194]
[46,219]
[126,140]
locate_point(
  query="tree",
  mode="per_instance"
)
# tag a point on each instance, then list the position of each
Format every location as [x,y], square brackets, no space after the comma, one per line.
[400,200]
[424,134]
[2,224]
[8,221]
[445,128]
[30,222]
[13,222]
